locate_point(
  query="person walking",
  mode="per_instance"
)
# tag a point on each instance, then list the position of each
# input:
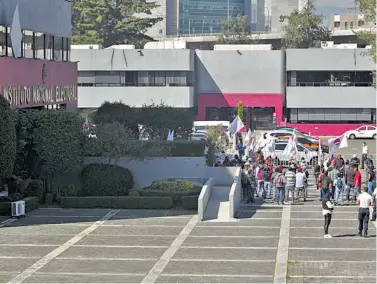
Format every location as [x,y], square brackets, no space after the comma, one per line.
[301,184]
[246,183]
[280,182]
[371,180]
[290,184]
[339,186]
[364,154]
[326,185]
[356,182]
[317,172]
[273,182]
[259,173]
[364,200]
[267,182]
[327,210]
[332,173]
[349,181]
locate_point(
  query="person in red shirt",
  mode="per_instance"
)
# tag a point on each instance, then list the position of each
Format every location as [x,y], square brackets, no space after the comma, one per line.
[357,182]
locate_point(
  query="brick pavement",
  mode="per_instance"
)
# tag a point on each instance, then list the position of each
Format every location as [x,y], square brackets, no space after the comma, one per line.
[135,246]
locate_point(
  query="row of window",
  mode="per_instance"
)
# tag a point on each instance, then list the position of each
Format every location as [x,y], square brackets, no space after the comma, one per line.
[329,78]
[332,115]
[135,78]
[360,23]
[36,45]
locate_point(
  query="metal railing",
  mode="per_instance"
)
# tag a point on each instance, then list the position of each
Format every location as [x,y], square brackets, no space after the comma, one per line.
[331,84]
[134,84]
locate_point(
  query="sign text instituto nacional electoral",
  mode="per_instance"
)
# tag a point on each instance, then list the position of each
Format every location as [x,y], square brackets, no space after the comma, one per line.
[22,96]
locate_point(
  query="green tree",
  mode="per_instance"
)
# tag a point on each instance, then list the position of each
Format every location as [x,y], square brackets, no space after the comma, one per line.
[368,8]
[8,142]
[53,143]
[158,119]
[240,110]
[117,112]
[109,22]
[305,29]
[236,31]
[215,144]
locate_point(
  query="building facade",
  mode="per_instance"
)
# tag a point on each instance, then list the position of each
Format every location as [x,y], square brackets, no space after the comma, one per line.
[351,21]
[35,67]
[322,91]
[329,89]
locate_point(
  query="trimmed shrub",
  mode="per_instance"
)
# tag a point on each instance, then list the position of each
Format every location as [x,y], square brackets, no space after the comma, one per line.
[175,195]
[105,180]
[190,202]
[31,203]
[133,193]
[118,202]
[158,148]
[8,142]
[5,208]
[174,185]
[15,196]
[35,188]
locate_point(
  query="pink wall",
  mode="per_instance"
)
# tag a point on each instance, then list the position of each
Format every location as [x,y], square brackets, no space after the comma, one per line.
[32,73]
[324,129]
[248,100]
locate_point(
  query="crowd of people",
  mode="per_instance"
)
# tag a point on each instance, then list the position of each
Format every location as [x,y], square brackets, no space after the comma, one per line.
[337,181]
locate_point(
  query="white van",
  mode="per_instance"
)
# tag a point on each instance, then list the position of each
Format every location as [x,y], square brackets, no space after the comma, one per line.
[200,126]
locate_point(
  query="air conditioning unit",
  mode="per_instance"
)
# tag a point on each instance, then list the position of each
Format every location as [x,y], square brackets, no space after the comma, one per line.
[18,208]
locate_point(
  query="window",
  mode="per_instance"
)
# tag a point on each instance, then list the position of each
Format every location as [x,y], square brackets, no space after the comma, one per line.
[40,45]
[3,41]
[329,78]
[9,51]
[107,78]
[49,47]
[331,115]
[336,24]
[362,128]
[58,48]
[65,49]
[346,25]
[280,146]
[360,23]
[86,78]
[351,25]
[27,44]
[300,148]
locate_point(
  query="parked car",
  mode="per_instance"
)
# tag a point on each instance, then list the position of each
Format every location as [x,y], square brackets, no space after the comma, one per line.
[363,132]
[310,155]
[195,136]
[308,142]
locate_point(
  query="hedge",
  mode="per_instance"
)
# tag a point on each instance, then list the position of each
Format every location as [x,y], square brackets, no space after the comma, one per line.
[31,203]
[190,202]
[174,195]
[117,202]
[176,148]
[105,180]
[174,185]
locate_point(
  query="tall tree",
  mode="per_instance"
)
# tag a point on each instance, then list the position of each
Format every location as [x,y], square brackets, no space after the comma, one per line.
[236,31]
[111,22]
[240,110]
[368,8]
[305,28]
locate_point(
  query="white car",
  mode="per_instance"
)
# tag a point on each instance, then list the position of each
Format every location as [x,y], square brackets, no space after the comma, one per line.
[196,136]
[310,155]
[363,132]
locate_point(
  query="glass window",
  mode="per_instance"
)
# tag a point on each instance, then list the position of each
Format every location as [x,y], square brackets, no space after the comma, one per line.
[107,78]
[49,47]
[363,128]
[346,25]
[65,49]
[58,48]
[280,146]
[27,44]
[39,45]
[86,78]
[351,25]
[9,43]
[3,41]
[300,148]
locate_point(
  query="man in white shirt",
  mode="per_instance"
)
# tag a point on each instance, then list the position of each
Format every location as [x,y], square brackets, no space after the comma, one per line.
[364,200]
[301,184]
[374,197]
[364,154]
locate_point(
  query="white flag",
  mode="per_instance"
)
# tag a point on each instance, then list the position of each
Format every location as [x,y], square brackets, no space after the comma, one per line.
[336,143]
[169,134]
[248,138]
[291,149]
[236,126]
[172,135]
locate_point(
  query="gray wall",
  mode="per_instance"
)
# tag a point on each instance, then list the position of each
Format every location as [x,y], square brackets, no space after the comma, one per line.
[331,97]
[318,59]
[45,16]
[229,71]
[93,97]
[193,168]
[133,60]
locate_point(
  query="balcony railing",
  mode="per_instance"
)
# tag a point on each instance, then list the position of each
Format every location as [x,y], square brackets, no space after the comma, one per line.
[330,84]
[134,84]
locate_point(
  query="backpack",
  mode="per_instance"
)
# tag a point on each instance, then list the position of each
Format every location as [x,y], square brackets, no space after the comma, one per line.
[280,180]
[267,175]
[260,175]
[339,183]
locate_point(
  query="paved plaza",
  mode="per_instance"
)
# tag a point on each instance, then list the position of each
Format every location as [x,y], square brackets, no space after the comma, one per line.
[54,245]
